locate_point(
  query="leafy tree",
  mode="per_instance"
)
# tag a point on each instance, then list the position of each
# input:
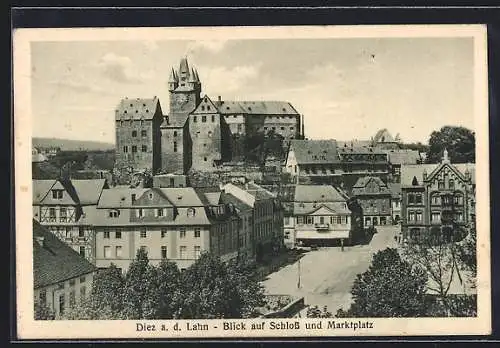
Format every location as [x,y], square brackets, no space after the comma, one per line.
[106,298]
[391,287]
[443,261]
[459,141]
[250,291]
[42,312]
[168,289]
[140,295]
[316,312]
[208,291]
[107,289]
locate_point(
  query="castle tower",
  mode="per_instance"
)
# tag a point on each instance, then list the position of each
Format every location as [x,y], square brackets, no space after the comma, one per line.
[185,90]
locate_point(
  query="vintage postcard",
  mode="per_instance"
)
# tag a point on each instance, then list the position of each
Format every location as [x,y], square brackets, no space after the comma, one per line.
[260,182]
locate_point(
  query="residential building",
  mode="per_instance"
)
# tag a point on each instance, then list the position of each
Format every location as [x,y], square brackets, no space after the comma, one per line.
[176,224]
[400,157]
[267,219]
[374,197]
[63,207]
[316,160]
[61,276]
[320,216]
[395,189]
[170,180]
[325,162]
[438,200]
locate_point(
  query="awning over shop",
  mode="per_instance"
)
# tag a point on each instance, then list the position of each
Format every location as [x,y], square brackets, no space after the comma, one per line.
[313,234]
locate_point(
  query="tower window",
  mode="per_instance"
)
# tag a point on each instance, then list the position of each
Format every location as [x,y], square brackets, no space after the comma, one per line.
[209,134]
[213,117]
[125,149]
[203,107]
[208,107]
[195,119]
[144,148]
[134,148]
[175,133]
[144,133]
[205,159]
[175,146]
[134,134]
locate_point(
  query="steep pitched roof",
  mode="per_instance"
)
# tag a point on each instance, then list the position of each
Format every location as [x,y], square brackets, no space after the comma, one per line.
[408,172]
[137,109]
[315,151]
[395,189]
[119,197]
[239,204]
[80,191]
[361,184]
[302,208]
[55,261]
[256,107]
[317,193]
[89,191]
[403,156]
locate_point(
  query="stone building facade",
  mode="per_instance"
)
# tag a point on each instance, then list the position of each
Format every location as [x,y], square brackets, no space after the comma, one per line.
[438,200]
[197,133]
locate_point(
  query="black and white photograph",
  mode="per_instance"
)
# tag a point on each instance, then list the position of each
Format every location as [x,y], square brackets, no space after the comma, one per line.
[252,182]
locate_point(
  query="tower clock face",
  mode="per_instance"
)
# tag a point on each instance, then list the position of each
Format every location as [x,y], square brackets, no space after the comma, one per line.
[182,98]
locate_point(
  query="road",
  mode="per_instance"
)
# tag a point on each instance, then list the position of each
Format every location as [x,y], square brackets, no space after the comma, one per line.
[327,274]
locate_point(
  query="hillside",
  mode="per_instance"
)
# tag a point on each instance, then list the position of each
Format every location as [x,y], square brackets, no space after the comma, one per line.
[72,145]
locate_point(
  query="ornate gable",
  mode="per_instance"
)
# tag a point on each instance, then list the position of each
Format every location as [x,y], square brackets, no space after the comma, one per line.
[153,197]
[206,106]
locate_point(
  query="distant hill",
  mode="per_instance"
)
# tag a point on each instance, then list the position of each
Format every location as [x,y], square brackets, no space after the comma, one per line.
[72,145]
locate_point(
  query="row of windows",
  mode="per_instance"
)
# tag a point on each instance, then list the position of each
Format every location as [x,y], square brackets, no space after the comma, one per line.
[164,231]
[281,128]
[203,118]
[144,148]
[163,250]
[57,194]
[340,220]
[414,198]
[437,199]
[435,216]
[62,298]
[160,212]
[144,133]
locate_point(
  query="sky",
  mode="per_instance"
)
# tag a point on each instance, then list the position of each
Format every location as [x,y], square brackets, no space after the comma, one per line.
[345,88]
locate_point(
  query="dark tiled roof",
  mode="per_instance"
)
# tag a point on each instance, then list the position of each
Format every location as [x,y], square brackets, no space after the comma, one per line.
[55,262]
[315,151]
[408,172]
[137,109]
[359,187]
[256,107]
[83,192]
[403,156]
[240,205]
[318,193]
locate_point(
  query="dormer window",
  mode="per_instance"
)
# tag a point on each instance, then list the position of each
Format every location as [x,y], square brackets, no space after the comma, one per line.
[114,213]
[191,212]
[57,194]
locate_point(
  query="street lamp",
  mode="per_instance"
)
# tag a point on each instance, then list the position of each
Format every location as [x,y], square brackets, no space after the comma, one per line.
[298,273]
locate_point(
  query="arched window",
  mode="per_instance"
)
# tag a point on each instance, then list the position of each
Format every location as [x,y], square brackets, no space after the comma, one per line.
[134,134]
[451,184]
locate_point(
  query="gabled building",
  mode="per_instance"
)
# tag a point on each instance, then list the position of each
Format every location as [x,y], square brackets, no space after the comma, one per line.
[267,218]
[177,224]
[317,160]
[438,200]
[374,197]
[63,207]
[61,276]
[400,157]
[321,216]
[395,189]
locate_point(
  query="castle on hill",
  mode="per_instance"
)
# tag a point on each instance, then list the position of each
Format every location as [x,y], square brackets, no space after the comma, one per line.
[197,133]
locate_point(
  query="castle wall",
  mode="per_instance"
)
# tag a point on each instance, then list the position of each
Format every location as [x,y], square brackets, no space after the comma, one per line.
[135,144]
[206,137]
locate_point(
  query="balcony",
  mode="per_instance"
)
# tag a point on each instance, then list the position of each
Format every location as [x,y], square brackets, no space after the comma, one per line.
[322,227]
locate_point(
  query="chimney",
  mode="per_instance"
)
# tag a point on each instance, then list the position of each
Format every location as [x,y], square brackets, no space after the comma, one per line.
[133,197]
[40,240]
[219,98]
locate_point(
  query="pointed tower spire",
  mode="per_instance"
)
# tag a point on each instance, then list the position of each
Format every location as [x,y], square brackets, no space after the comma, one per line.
[445,157]
[196,75]
[172,77]
[192,76]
